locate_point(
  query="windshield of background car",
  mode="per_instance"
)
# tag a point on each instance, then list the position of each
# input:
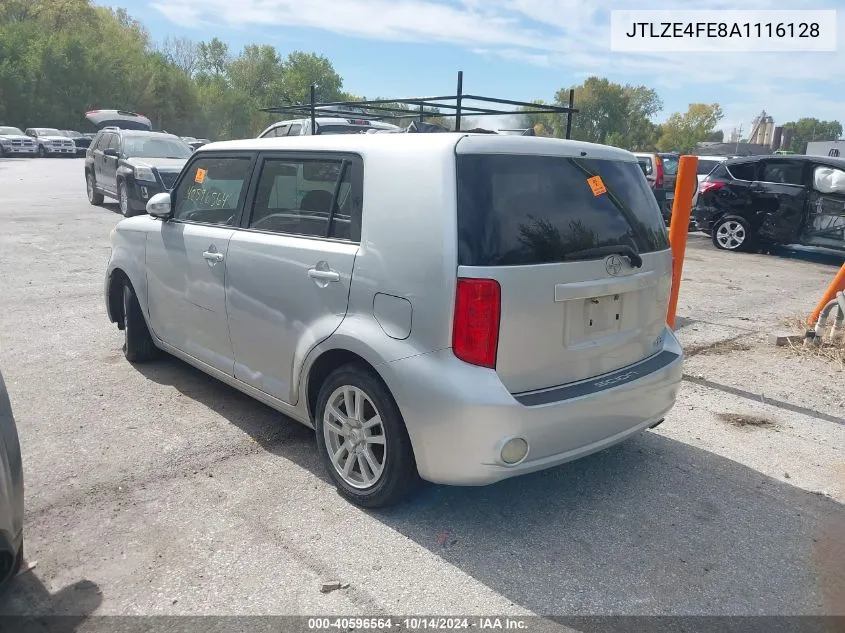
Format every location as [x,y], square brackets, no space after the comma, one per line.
[10,130]
[517,210]
[48,131]
[151,147]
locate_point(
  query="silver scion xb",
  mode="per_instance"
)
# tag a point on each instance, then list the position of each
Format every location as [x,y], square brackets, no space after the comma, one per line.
[457,307]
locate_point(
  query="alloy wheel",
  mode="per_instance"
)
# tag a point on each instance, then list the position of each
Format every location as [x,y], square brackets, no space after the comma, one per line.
[731,235]
[124,201]
[355,437]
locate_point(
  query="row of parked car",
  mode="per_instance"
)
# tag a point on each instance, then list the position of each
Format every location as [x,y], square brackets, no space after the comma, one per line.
[48,141]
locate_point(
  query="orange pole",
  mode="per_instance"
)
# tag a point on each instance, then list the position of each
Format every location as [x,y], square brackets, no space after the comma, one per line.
[835,286]
[685,186]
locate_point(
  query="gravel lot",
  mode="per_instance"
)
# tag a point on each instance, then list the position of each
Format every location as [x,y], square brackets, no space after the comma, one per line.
[158,490]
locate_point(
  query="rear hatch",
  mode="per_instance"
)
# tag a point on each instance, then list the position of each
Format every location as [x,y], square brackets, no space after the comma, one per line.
[573,236]
[118,118]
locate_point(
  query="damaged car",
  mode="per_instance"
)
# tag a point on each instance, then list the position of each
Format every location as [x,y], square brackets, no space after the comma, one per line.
[749,203]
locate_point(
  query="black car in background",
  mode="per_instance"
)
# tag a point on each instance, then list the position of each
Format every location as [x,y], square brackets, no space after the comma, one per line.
[132,166]
[745,203]
[11,492]
[79,139]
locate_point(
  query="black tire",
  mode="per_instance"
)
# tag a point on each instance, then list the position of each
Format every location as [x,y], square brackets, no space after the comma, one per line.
[94,197]
[123,200]
[138,345]
[399,475]
[733,233]
[2,153]
[42,153]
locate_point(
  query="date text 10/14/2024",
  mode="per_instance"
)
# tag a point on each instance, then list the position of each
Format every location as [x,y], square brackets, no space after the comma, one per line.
[417,624]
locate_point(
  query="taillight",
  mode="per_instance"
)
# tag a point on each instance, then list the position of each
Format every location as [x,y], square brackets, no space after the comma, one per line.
[475,331]
[658,173]
[707,185]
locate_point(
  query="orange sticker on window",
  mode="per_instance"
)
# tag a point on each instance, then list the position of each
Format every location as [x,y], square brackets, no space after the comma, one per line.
[200,176]
[597,185]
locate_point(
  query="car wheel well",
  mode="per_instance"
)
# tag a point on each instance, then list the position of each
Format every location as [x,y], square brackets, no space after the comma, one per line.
[325,365]
[117,280]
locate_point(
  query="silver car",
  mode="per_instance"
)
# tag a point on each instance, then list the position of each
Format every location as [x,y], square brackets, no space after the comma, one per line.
[462,308]
[11,491]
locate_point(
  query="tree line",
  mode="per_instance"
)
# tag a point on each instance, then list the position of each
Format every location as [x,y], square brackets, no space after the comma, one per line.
[60,58]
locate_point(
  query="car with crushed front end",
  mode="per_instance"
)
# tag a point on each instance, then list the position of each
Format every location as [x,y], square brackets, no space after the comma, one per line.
[132,166]
[456,307]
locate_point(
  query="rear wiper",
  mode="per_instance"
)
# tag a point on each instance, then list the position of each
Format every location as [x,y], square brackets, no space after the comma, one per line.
[621,249]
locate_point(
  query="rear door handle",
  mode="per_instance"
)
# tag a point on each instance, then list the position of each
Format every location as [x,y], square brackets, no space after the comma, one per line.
[323,275]
[213,256]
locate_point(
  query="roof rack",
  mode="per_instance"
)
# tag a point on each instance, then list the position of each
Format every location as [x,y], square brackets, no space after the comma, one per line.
[454,106]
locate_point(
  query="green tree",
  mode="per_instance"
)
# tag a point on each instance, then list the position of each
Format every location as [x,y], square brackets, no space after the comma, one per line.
[300,70]
[682,131]
[213,57]
[611,113]
[806,130]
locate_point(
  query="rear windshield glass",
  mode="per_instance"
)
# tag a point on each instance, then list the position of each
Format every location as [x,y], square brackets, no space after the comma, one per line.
[670,165]
[515,210]
[706,166]
[343,129]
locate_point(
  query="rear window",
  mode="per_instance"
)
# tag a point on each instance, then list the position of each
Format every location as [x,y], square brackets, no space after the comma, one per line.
[670,165]
[518,210]
[706,166]
[343,129]
[743,171]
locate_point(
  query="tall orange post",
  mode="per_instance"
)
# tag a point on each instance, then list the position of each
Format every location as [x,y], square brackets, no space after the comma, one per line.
[685,186]
[835,286]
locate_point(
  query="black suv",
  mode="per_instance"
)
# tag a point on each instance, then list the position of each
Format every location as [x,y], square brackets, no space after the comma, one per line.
[132,166]
[768,200]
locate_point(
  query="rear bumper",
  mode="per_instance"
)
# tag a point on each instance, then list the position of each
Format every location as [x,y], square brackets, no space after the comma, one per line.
[458,416]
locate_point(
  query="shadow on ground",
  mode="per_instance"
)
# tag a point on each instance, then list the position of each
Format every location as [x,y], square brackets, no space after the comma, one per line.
[69,607]
[647,527]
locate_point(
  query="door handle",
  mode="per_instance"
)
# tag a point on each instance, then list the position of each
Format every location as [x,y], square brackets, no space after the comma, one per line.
[213,256]
[323,275]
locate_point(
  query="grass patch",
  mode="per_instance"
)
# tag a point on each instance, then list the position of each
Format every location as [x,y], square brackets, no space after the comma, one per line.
[832,351]
[719,347]
[735,419]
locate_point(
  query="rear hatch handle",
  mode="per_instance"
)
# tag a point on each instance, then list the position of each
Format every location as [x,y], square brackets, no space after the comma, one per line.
[600,251]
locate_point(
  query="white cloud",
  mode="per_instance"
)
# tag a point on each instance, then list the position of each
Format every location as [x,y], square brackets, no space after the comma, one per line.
[570,36]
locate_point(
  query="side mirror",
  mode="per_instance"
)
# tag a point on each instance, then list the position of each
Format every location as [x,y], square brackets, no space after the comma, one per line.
[110,152]
[159,206]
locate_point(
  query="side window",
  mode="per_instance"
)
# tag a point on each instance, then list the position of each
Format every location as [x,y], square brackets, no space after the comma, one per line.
[294,196]
[295,129]
[98,142]
[114,141]
[645,165]
[211,190]
[743,171]
[783,172]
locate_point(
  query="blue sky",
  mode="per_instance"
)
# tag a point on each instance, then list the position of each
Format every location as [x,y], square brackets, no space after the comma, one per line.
[518,49]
